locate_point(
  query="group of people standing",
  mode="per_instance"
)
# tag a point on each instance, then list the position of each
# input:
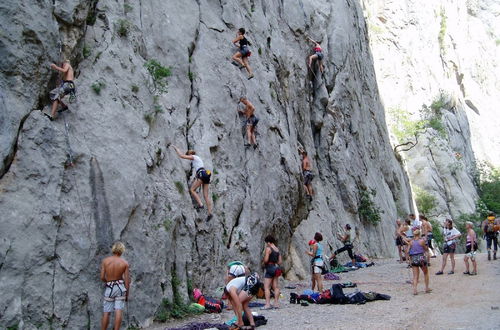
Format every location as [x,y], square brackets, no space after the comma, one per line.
[414,242]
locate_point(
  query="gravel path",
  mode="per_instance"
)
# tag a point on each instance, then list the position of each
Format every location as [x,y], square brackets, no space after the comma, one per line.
[457,302]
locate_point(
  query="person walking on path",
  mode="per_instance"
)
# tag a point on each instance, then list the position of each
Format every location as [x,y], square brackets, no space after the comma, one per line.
[451,234]
[317,264]
[242,55]
[470,249]
[272,261]
[202,178]
[251,121]
[406,232]
[399,241]
[346,240]
[318,55]
[115,273]
[66,87]
[491,234]
[307,175]
[418,260]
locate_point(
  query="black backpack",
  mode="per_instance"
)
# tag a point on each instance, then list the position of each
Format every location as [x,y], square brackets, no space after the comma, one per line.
[338,296]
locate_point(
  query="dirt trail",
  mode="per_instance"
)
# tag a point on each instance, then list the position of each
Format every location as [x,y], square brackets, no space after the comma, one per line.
[457,302]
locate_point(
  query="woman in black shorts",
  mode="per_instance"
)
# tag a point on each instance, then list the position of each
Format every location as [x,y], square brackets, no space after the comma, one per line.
[272,262]
[242,55]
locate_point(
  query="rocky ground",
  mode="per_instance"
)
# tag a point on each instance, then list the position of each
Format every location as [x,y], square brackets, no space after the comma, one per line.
[457,302]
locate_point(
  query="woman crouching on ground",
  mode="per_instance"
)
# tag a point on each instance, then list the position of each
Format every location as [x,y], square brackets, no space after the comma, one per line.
[470,249]
[418,251]
[272,262]
[240,298]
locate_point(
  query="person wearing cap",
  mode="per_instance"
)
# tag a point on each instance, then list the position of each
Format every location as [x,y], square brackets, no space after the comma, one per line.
[317,264]
[490,230]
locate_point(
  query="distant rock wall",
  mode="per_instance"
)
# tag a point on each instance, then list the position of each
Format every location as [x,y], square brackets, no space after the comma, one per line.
[58,220]
[450,49]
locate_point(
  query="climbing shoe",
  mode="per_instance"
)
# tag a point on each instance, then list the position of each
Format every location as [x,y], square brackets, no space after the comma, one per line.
[439,273]
[49,116]
[198,207]
[247,145]
[63,109]
[210,216]
[255,146]
[250,76]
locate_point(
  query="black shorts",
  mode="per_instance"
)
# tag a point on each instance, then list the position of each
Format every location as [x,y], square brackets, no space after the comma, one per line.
[245,51]
[308,177]
[468,248]
[271,271]
[399,241]
[253,121]
[429,240]
[319,55]
[449,248]
[203,176]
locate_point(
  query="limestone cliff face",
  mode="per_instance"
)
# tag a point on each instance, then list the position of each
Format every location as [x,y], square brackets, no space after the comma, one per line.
[449,49]
[58,221]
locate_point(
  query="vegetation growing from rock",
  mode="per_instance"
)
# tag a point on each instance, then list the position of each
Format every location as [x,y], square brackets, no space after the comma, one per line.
[122,28]
[367,209]
[158,74]
[176,308]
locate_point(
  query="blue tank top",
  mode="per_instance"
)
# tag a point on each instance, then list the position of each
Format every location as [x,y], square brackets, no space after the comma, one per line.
[319,251]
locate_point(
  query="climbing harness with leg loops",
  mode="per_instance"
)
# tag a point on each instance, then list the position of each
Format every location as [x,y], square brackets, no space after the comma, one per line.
[111,285]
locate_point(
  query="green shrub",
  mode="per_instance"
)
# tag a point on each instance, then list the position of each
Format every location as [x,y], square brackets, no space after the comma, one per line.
[367,209]
[159,75]
[86,51]
[179,186]
[97,86]
[259,51]
[122,27]
[442,31]
[167,224]
[489,190]
[134,88]
[191,75]
[176,308]
[426,202]
[91,17]
[215,197]
[127,8]
[437,233]
[149,118]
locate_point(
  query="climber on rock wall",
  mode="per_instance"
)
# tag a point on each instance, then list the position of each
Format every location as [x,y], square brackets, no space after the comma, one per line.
[251,121]
[307,175]
[318,55]
[242,55]
[202,178]
[115,273]
[66,87]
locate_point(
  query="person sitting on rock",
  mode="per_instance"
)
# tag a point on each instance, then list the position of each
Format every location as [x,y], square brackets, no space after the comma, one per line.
[115,273]
[318,55]
[307,175]
[346,240]
[251,121]
[67,86]
[202,179]
[242,55]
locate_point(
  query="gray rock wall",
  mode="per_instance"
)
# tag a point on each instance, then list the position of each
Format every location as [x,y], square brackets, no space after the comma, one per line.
[58,221]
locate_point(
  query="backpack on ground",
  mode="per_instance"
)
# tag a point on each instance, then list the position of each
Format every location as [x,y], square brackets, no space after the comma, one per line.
[252,283]
[338,296]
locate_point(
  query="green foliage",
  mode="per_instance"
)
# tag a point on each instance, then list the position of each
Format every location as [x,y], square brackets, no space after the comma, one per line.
[179,186]
[475,218]
[149,118]
[127,8]
[122,27]
[215,197]
[259,51]
[97,86]
[191,76]
[367,209]
[86,51]
[91,17]
[489,190]
[134,88]
[159,75]
[437,232]
[214,171]
[13,327]
[177,308]
[442,31]
[425,201]
[167,224]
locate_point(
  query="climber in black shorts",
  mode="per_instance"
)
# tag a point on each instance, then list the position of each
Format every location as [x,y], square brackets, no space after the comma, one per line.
[242,55]
[307,174]
[346,240]
[251,121]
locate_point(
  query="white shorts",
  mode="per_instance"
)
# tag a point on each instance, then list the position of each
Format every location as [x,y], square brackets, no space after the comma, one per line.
[318,266]
[114,296]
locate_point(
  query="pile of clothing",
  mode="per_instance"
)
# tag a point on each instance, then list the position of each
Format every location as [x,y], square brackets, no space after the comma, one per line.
[335,295]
